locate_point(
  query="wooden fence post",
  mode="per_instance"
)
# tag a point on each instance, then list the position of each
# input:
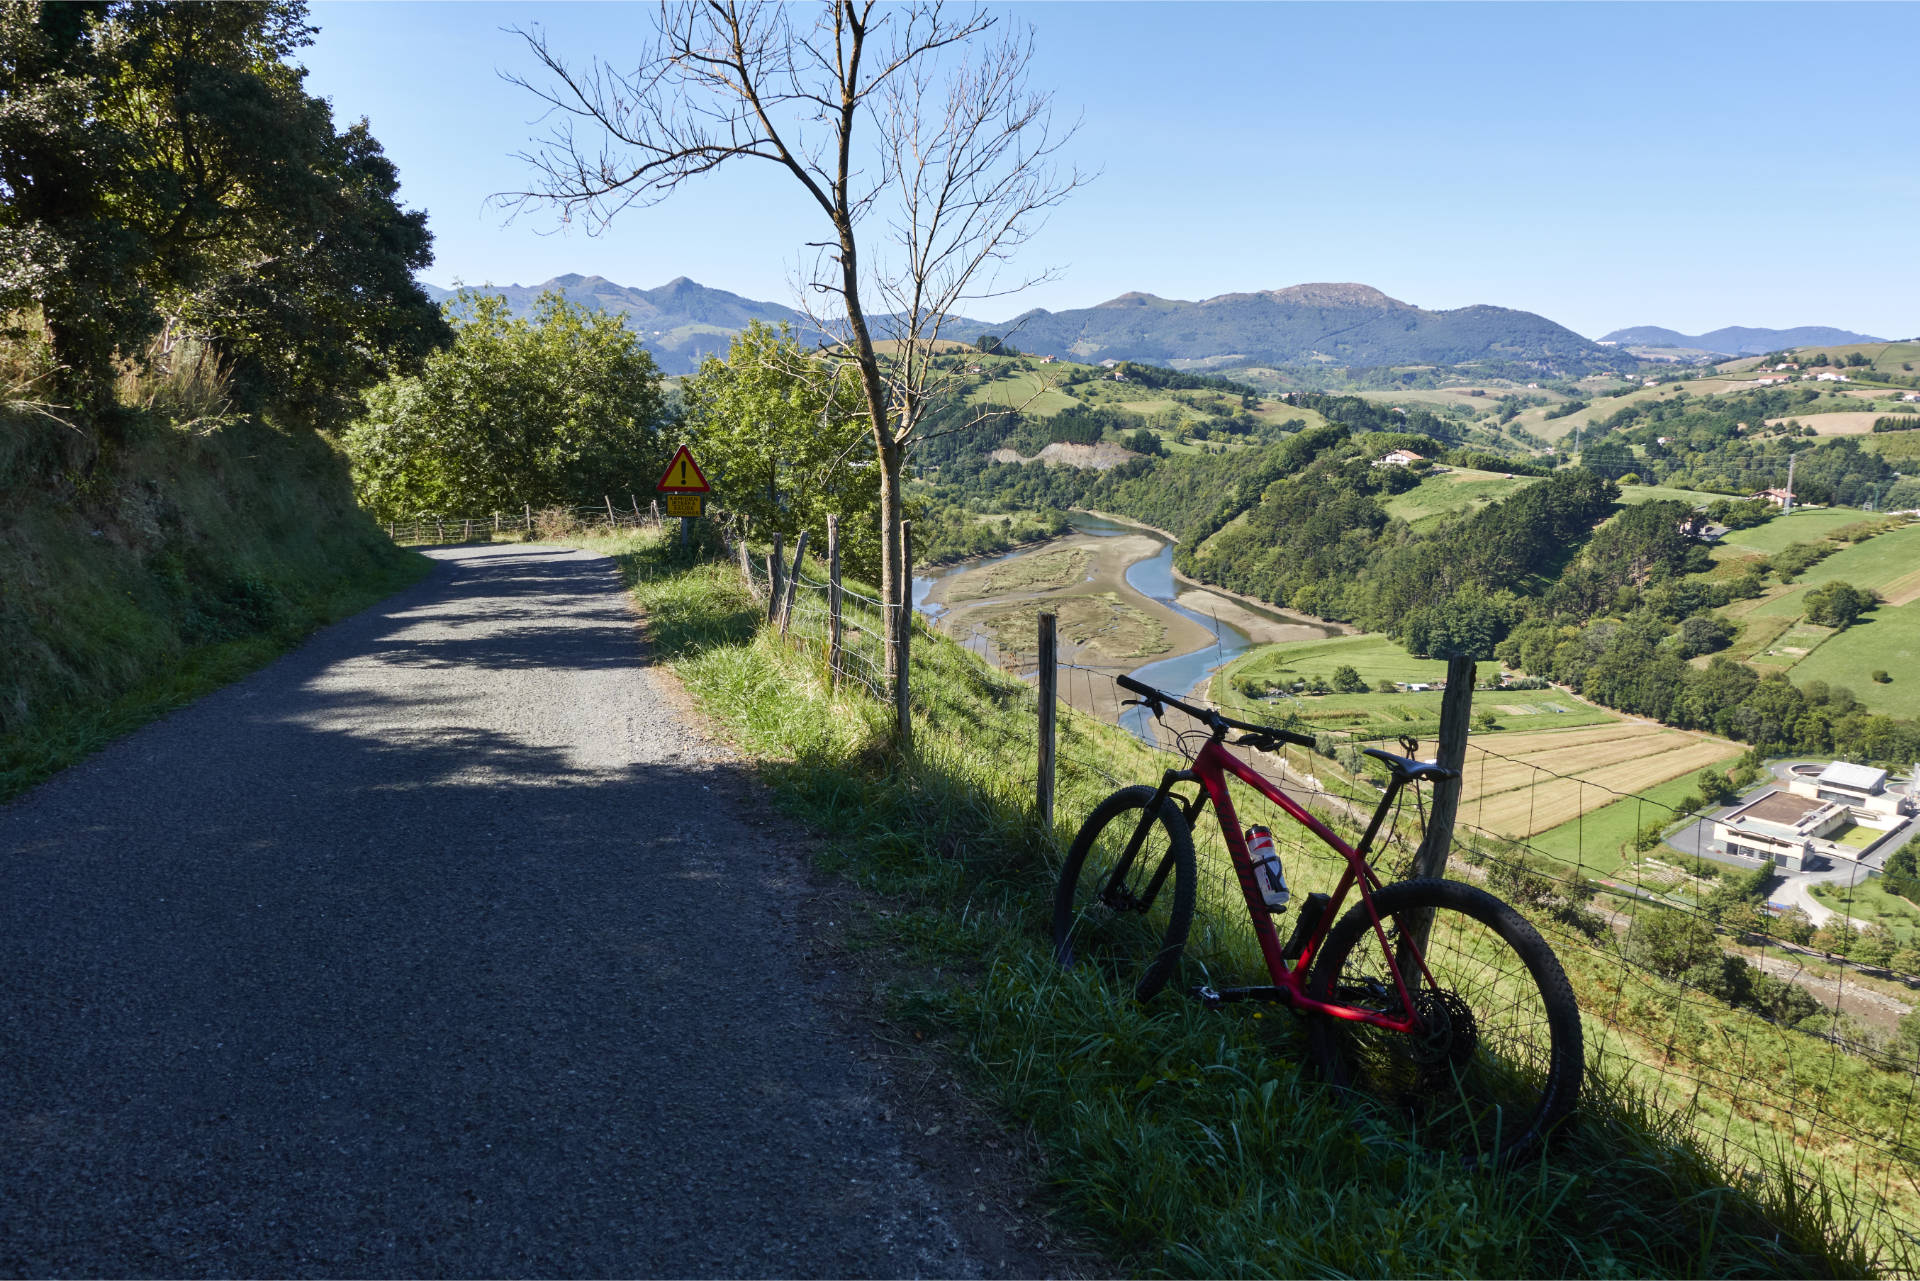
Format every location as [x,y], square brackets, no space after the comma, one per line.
[496,522]
[834,657]
[746,567]
[529,507]
[1047,683]
[773,581]
[793,583]
[611,523]
[1456,717]
[655,504]
[439,530]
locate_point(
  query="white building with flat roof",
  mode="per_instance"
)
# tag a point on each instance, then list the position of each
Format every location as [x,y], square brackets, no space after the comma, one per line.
[1861,788]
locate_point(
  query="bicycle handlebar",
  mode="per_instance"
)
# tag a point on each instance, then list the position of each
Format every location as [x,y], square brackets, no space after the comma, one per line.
[1260,736]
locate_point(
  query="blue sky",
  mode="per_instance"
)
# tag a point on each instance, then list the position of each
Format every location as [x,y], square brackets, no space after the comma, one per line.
[1603,164]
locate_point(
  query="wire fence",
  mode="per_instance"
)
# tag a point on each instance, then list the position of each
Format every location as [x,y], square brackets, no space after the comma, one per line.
[1773,1048]
[431,528]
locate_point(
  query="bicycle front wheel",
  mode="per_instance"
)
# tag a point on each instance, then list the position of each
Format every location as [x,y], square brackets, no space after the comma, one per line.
[1498,1060]
[1130,927]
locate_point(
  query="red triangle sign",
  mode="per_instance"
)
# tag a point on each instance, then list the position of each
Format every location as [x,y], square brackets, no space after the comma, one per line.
[683,476]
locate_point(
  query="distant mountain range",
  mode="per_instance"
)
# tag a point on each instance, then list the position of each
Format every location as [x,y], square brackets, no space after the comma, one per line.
[682,322]
[1338,324]
[1736,340]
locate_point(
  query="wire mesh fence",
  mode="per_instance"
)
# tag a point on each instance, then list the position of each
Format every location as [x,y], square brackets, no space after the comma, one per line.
[1776,1052]
[1747,1021]
[432,528]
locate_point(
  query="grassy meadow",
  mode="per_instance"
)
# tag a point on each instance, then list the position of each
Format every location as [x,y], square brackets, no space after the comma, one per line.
[1456,489]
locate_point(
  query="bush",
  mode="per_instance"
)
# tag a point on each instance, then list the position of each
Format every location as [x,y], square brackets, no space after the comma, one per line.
[1881,678]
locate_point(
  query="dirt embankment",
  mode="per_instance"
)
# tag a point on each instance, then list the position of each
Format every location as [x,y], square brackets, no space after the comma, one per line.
[1258,627]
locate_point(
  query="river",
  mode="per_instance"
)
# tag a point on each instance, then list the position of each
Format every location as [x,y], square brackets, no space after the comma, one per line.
[1151,576]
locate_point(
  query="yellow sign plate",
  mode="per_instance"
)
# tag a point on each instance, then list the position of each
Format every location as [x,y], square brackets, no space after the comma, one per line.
[683,504]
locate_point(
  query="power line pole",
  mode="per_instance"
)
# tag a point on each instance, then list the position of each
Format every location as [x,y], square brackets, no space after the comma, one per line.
[1787,507]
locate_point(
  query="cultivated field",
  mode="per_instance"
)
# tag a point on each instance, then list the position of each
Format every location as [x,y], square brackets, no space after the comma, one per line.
[1522,784]
[1847,423]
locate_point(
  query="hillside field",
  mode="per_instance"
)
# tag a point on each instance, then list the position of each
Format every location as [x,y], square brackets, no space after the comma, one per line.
[1775,635]
[1885,358]
[1550,759]
[1457,489]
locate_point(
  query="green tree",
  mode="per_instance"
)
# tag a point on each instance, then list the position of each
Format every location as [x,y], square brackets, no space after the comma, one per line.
[780,433]
[163,162]
[1346,680]
[1670,943]
[1715,788]
[66,245]
[1837,604]
[1796,926]
[562,408]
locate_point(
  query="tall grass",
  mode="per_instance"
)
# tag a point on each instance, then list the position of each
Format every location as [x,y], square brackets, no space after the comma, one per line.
[1190,1143]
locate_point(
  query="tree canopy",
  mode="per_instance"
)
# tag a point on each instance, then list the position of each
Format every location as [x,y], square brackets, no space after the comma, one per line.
[558,408]
[163,171]
[784,444]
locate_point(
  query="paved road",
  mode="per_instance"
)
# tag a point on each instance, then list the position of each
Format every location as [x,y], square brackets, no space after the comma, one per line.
[437,948]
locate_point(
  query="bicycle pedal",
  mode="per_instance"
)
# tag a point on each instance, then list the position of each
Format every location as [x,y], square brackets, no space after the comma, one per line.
[1208,997]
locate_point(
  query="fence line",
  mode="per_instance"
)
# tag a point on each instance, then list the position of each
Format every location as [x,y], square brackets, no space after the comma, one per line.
[439,527]
[1744,1078]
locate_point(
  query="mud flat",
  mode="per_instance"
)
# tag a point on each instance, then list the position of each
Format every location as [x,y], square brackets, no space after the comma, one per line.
[1105,624]
[1259,628]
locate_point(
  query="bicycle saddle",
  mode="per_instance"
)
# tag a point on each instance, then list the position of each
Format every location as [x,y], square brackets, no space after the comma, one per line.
[1408,768]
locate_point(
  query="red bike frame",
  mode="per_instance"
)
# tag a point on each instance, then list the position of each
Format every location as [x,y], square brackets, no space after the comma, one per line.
[1210,769]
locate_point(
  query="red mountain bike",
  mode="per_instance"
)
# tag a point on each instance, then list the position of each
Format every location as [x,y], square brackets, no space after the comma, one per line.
[1431,995]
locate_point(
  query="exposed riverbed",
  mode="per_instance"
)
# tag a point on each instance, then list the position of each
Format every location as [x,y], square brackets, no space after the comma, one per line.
[1120,607]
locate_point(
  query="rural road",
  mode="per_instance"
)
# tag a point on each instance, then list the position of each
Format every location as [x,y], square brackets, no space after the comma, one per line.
[445,945]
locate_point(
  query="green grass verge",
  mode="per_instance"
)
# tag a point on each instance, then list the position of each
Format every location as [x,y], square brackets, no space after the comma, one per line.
[188,559]
[1188,1143]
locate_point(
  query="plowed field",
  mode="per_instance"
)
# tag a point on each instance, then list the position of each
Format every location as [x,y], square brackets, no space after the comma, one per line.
[1520,784]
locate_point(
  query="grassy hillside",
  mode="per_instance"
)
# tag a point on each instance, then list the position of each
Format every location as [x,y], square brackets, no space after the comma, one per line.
[1184,1142]
[139,579]
[1456,489]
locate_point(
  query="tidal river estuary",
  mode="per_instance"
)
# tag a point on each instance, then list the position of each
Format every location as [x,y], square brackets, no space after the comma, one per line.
[1120,607]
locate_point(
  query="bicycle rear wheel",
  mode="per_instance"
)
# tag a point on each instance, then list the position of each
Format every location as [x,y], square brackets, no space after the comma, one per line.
[1500,1060]
[1131,928]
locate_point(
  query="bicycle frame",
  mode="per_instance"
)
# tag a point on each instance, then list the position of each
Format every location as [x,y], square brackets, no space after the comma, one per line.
[1211,769]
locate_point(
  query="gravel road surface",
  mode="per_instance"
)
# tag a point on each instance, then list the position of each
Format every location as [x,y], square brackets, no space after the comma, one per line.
[442,946]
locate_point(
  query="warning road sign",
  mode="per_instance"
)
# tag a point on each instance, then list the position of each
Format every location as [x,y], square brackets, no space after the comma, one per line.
[684,504]
[683,476]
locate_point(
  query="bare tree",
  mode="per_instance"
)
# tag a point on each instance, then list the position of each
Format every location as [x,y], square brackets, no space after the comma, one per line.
[912,129]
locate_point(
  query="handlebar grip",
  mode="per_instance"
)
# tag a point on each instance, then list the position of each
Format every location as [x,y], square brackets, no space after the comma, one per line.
[1127,682]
